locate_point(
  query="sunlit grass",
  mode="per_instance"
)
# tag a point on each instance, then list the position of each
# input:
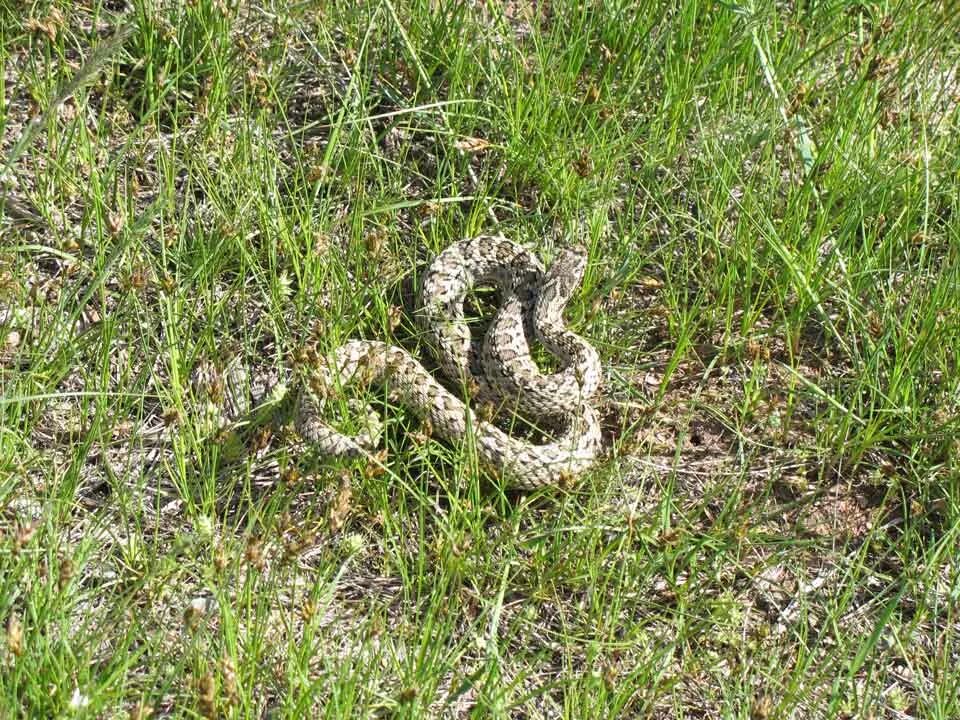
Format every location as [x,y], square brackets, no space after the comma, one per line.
[769,196]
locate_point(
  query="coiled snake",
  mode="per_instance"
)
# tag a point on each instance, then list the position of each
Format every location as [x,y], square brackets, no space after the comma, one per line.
[500,371]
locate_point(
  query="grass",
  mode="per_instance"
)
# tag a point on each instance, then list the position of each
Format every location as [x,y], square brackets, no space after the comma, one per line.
[769,196]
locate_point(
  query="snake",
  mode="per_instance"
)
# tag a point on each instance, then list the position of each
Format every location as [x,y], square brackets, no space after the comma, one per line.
[500,372]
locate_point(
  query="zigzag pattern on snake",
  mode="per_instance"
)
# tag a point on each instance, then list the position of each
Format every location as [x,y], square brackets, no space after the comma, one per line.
[500,371]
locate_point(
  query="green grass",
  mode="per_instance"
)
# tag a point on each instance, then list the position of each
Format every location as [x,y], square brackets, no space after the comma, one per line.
[769,194]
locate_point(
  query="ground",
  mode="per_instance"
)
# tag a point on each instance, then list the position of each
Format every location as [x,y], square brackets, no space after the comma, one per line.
[198,195]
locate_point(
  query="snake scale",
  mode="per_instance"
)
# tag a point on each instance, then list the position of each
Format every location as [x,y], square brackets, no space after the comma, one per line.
[499,371]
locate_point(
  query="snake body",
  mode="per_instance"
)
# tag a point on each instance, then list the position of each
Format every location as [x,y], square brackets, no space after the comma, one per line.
[500,371]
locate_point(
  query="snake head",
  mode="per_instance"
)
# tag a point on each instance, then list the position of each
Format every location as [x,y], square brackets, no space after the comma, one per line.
[566,272]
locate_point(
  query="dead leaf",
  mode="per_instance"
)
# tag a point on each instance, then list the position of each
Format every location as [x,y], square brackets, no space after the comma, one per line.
[340,510]
[472,145]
